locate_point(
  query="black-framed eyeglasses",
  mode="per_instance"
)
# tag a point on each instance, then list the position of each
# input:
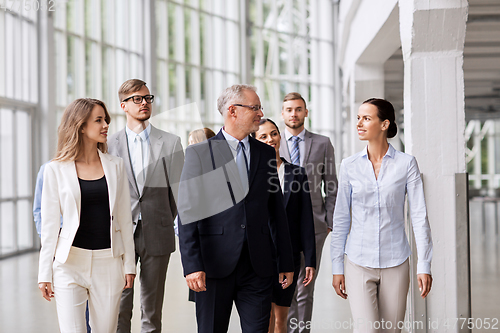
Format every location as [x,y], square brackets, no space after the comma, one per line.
[138,99]
[255,108]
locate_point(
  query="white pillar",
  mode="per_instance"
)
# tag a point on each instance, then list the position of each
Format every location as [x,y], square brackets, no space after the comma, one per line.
[490,134]
[432,37]
[367,81]
[322,101]
[476,134]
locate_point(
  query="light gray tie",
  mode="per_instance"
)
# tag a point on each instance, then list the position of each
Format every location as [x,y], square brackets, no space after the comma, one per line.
[242,164]
[139,163]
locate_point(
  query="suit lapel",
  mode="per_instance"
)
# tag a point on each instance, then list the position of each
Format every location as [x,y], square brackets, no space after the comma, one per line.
[110,172]
[254,159]
[284,149]
[308,143]
[155,146]
[71,179]
[287,182]
[123,151]
[223,156]
[222,152]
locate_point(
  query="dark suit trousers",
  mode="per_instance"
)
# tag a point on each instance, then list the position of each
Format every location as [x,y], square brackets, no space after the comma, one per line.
[302,302]
[153,275]
[251,294]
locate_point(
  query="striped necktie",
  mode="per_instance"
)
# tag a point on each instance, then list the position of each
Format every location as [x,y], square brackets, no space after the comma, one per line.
[295,154]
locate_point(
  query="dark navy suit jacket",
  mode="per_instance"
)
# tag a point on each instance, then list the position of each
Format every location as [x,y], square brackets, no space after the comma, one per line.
[299,212]
[216,218]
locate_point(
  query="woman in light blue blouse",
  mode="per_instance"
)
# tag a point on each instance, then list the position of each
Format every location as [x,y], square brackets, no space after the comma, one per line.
[372,188]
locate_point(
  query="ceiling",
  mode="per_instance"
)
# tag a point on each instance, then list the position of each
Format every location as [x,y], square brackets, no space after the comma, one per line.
[481,63]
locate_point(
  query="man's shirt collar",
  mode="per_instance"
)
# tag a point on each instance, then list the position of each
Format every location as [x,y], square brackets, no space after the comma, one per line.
[233,142]
[144,134]
[301,135]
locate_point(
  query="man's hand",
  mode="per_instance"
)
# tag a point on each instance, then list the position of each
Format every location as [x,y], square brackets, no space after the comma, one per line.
[129,281]
[196,281]
[424,284]
[46,289]
[338,284]
[286,279]
[309,276]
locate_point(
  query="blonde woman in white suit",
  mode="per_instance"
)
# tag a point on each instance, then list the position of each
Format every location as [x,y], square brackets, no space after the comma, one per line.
[92,256]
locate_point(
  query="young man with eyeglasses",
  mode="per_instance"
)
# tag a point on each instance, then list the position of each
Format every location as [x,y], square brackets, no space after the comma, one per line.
[315,153]
[153,161]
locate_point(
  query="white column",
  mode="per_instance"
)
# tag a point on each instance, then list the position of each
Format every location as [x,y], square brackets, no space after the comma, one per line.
[46,113]
[477,169]
[367,81]
[432,37]
[490,134]
[326,57]
[150,46]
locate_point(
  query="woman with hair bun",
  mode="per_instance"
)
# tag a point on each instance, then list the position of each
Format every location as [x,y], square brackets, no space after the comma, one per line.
[370,208]
[296,195]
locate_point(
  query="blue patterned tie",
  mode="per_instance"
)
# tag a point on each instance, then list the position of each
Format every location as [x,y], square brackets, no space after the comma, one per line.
[295,154]
[242,164]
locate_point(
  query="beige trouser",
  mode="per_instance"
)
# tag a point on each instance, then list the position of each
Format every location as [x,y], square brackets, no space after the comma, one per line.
[377,297]
[88,274]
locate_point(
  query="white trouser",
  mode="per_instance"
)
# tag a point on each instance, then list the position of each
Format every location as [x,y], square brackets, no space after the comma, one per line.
[377,296]
[92,275]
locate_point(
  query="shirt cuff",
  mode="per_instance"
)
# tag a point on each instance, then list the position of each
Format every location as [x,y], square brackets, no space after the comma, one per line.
[424,267]
[338,268]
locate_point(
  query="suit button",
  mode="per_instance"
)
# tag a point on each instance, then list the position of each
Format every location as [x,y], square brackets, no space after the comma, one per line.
[243,226]
[140,200]
[134,223]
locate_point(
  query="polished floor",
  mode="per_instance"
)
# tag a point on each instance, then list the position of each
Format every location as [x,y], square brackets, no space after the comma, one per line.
[23,310]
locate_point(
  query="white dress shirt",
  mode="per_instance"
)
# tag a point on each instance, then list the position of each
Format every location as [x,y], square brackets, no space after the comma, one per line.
[233,143]
[281,176]
[302,144]
[377,236]
[132,147]
[131,135]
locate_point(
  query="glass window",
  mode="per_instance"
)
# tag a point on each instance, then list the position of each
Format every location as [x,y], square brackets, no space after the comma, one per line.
[281,52]
[199,46]
[106,48]
[16,223]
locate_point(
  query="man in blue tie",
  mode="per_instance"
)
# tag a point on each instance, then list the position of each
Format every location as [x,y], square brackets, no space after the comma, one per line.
[233,228]
[315,153]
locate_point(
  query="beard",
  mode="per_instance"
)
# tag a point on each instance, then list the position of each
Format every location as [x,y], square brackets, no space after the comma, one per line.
[255,128]
[141,116]
[248,128]
[294,125]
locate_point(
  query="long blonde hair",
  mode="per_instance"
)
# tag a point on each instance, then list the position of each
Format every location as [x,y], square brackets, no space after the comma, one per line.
[69,136]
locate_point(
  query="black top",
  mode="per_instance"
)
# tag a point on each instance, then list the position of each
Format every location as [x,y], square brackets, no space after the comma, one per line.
[94,230]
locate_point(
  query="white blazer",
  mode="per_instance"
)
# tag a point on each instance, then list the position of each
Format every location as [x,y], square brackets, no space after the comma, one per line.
[61,196]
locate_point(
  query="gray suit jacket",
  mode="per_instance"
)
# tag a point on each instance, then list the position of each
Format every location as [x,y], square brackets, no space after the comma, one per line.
[319,162]
[157,203]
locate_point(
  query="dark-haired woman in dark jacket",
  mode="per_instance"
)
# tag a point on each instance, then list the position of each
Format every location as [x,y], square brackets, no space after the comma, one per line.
[370,208]
[295,187]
